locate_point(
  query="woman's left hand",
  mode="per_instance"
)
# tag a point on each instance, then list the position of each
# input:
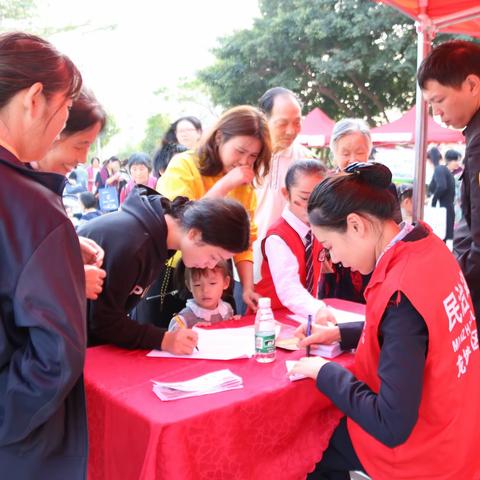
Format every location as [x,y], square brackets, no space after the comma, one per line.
[309,366]
[250,298]
[94,278]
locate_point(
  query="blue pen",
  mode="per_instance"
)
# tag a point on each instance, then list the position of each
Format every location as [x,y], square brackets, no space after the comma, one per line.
[309,331]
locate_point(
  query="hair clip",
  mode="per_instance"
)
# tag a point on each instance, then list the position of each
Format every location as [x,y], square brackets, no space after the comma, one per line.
[356,167]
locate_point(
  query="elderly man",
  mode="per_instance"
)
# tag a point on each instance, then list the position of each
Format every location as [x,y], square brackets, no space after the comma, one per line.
[450,81]
[284,114]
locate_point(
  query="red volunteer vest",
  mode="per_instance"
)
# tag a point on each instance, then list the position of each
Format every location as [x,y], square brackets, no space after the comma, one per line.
[444,442]
[265,286]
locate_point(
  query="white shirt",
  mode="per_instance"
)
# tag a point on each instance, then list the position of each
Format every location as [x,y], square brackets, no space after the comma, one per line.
[270,200]
[285,270]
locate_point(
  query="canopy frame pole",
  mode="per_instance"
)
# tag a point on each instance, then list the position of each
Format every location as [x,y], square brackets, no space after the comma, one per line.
[425,32]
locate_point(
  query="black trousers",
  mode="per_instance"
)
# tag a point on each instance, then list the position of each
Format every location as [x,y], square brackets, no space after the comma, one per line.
[339,458]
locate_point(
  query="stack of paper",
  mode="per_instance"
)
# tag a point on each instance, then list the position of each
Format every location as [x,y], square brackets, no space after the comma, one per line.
[218,381]
[328,351]
[288,341]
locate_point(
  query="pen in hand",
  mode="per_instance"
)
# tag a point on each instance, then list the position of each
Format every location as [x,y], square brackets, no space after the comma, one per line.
[309,331]
[181,324]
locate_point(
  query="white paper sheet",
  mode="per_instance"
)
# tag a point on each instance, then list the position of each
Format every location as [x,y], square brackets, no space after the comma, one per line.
[341,316]
[293,376]
[219,344]
[213,382]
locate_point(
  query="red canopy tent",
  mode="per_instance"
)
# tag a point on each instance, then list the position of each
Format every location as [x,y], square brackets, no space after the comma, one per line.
[459,16]
[403,131]
[316,129]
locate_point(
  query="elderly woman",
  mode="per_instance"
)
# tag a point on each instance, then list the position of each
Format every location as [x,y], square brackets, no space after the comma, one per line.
[350,142]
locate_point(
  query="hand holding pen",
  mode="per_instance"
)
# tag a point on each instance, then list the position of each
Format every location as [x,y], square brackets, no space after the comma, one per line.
[308,333]
[180,341]
[181,324]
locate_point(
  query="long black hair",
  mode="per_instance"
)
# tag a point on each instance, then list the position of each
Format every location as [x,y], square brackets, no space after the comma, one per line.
[361,188]
[222,222]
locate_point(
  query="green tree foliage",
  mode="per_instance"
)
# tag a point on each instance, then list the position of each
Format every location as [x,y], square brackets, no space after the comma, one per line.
[15,10]
[349,57]
[110,130]
[157,125]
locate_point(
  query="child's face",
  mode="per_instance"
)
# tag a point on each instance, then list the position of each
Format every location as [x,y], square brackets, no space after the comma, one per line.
[207,289]
[300,193]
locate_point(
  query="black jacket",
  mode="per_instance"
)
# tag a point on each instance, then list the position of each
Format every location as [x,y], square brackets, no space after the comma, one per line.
[43,432]
[466,240]
[134,239]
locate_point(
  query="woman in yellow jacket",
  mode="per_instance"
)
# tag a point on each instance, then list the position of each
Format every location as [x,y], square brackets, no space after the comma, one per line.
[236,151]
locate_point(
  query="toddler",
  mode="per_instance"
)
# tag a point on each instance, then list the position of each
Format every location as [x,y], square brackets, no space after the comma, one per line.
[206,307]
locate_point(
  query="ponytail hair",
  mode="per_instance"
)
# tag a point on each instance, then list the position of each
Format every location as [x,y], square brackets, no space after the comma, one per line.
[362,188]
[222,222]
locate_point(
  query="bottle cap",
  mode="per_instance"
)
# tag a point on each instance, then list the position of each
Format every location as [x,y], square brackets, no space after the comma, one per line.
[264,302]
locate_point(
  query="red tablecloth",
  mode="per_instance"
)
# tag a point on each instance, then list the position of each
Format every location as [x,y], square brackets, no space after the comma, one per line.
[270,429]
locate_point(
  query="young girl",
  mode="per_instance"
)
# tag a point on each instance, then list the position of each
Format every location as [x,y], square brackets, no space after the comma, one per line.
[284,267]
[138,239]
[412,403]
[207,286]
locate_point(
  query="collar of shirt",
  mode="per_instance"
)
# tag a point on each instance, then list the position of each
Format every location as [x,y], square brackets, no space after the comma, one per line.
[8,147]
[405,229]
[472,126]
[300,227]
[206,314]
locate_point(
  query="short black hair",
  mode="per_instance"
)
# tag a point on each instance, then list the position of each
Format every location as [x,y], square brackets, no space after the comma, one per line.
[434,155]
[307,166]
[452,155]
[140,158]
[450,63]
[88,199]
[266,101]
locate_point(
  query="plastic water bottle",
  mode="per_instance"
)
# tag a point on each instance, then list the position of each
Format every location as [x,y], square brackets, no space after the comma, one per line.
[264,332]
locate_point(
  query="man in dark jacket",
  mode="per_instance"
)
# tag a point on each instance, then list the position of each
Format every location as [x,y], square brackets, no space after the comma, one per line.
[450,81]
[43,432]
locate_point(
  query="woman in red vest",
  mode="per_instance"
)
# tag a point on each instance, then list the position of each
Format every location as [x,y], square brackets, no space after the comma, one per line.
[410,408]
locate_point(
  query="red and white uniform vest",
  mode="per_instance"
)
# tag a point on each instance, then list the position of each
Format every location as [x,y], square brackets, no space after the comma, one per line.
[444,443]
[265,287]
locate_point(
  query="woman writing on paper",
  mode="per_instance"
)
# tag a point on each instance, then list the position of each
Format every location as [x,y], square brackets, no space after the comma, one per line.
[417,356]
[138,239]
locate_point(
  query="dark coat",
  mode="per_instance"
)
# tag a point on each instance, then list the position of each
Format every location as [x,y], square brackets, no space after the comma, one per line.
[135,243]
[43,433]
[466,240]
